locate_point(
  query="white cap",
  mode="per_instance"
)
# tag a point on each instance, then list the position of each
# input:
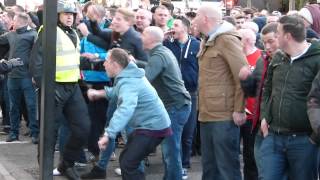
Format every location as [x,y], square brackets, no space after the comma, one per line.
[306,14]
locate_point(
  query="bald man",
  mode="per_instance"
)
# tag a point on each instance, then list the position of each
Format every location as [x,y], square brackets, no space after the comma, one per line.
[143,19]
[253,54]
[221,100]
[164,74]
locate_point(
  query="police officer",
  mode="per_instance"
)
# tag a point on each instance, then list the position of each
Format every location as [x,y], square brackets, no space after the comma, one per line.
[69,102]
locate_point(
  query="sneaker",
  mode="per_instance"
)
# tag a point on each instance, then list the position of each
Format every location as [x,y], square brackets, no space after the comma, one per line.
[117,171]
[184,173]
[80,165]
[68,171]
[71,174]
[113,157]
[56,172]
[95,173]
[35,140]
[12,138]
[92,158]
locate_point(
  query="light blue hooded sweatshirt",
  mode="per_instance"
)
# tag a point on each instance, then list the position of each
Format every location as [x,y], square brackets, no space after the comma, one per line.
[138,104]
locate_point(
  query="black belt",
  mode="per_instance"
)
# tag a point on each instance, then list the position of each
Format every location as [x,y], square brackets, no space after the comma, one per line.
[289,133]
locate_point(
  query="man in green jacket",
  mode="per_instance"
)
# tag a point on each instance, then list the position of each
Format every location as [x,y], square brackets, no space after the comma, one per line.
[286,147]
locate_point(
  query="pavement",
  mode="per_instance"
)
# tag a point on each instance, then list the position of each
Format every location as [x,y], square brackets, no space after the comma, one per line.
[18,161]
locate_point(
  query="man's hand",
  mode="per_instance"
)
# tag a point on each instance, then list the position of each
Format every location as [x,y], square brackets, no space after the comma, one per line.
[244,73]
[15,62]
[103,142]
[264,127]
[239,118]
[89,55]
[83,29]
[92,94]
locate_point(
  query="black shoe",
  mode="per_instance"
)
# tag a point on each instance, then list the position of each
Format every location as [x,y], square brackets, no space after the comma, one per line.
[12,138]
[68,171]
[95,173]
[35,140]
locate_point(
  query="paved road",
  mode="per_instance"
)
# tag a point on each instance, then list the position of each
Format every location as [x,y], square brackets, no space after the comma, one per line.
[18,162]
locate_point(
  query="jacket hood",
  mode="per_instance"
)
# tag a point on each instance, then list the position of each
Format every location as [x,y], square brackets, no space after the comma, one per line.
[223,28]
[314,49]
[131,71]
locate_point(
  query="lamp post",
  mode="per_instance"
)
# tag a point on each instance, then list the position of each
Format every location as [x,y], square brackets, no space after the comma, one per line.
[47,121]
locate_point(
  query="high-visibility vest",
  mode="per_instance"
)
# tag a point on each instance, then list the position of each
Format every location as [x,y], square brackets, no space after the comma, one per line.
[67,58]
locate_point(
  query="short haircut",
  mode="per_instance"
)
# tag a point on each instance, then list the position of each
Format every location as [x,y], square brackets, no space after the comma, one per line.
[100,10]
[161,7]
[269,28]
[23,17]
[19,8]
[240,16]
[230,19]
[248,11]
[191,14]
[294,25]
[119,56]
[10,14]
[155,33]
[128,14]
[184,21]
[86,5]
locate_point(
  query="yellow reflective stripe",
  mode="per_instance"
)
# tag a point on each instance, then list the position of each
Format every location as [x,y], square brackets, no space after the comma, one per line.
[65,68]
[66,52]
[40,29]
[68,76]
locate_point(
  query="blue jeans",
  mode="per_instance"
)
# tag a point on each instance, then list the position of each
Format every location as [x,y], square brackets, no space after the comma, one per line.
[188,132]
[257,143]
[22,88]
[220,150]
[106,154]
[291,154]
[64,134]
[171,146]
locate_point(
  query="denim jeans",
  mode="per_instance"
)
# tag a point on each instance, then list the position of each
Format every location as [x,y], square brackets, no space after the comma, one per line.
[5,103]
[171,146]
[220,150]
[136,149]
[188,132]
[291,154]
[106,154]
[22,88]
[64,134]
[257,143]
[250,171]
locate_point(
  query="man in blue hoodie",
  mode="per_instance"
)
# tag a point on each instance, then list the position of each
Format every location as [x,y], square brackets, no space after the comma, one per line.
[138,107]
[185,48]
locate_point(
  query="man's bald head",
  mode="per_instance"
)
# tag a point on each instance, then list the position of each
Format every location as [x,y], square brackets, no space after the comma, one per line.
[211,12]
[152,36]
[207,18]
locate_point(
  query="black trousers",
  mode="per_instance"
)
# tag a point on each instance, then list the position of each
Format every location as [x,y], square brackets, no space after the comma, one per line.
[70,104]
[136,149]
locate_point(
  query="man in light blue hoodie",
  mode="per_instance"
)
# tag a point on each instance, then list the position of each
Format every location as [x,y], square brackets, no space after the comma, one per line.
[139,107]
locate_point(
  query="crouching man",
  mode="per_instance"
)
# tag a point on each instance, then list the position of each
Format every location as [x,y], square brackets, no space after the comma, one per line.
[138,106]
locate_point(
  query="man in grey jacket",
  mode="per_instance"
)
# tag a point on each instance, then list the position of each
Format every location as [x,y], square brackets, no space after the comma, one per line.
[163,72]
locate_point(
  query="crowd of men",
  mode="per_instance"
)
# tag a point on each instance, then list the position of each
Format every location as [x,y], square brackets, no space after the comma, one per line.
[157,77]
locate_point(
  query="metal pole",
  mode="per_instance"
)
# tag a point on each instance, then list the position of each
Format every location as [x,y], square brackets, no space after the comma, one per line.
[47,90]
[292,5]
[249,3]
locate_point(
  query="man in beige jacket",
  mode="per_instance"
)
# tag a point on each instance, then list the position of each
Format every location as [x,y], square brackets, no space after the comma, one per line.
[221,100]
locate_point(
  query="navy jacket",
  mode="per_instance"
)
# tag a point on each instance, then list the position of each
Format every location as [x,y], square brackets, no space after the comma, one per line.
[187,60]
[129,41]
[21,42]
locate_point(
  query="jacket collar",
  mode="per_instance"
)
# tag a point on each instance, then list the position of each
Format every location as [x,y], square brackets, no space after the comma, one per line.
[22,29]
[223,28]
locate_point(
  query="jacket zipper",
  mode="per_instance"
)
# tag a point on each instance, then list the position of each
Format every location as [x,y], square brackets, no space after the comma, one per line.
[281,97]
